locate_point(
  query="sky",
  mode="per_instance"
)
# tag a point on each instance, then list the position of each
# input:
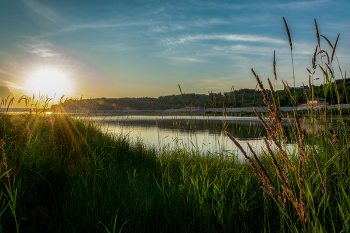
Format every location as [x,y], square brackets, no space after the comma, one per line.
[134,48]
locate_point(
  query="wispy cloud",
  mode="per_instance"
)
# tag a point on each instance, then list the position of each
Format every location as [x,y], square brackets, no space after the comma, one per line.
[42,10]
[338,26]
[76,27]
[300,5]
[156,11]
[109,47]
[8,73]
[262,5]
[102,25]
[162,28]
[12,85]
[231,37]
[43,50]
[244,49]
[243,18]
[215,21]
[186,59]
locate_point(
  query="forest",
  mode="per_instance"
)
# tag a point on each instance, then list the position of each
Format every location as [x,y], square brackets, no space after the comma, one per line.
[336,92]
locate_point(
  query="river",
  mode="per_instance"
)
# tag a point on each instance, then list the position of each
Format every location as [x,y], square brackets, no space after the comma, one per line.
[197,133]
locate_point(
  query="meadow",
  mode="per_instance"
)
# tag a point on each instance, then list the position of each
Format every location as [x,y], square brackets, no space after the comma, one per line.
[61,174]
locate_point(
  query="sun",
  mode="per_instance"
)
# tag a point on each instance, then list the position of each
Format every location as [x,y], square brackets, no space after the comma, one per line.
[51,82]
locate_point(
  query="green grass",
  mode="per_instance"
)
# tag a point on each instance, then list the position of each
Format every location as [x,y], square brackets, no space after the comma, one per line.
[69,176]
[60,174]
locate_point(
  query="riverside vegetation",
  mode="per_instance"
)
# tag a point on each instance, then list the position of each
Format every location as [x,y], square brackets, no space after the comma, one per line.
[231,99]
[60,174]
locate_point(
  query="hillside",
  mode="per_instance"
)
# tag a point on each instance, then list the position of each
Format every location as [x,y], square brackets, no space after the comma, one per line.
[237,98]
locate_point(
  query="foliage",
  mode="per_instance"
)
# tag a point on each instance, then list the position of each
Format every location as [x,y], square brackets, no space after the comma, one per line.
[62,174]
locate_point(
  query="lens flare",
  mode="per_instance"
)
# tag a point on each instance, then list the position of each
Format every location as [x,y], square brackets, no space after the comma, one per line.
[51,82]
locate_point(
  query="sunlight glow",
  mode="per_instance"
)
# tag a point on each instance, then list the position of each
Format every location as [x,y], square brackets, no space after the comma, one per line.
[51,82]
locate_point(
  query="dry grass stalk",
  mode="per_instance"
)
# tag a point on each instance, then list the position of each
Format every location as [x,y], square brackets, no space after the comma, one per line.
[314,59]
[287,190]
[330,70]
[4,160]
[262,167]
[273,110]
[266,98]
[335,45]
[317,34]
[269,186]
[300,138]
[278,168]
[310,71]
[291,48]
[310,86]
[305,93]
[301,206]
[330,44]
[272,127]
[272,137]
[267,180]
[271,122]
[9,104]
[252,164]
[4,100]
[294,133]
[320,173]
[324,72]
[325,52]
[274,65]
[277,113]
[289,37]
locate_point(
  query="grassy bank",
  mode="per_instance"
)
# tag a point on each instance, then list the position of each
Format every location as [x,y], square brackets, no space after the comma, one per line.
[60,174]
[66,175]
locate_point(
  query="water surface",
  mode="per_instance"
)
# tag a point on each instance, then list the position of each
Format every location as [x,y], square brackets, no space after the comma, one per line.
[205,134]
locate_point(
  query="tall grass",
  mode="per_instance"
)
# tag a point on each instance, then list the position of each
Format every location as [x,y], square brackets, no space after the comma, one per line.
[62,174]
[316,190]
[73,177]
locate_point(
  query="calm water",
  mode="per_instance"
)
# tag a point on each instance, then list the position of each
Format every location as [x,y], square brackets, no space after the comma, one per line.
[199,133]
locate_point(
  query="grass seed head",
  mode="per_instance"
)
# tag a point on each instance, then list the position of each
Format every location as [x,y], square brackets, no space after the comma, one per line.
[288,33]
[335,45]
[330,44]
[317,34]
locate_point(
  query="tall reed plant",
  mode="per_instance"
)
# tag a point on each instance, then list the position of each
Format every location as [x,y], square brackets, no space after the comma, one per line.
[310,182]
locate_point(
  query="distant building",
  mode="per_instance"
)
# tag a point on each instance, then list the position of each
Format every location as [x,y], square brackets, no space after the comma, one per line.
[316,101]
[297,88]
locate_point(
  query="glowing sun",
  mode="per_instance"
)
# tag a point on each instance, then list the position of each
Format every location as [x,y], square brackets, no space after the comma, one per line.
[51,82]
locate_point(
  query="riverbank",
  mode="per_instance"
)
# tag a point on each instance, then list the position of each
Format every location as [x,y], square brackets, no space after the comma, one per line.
[228,111]
[65,174]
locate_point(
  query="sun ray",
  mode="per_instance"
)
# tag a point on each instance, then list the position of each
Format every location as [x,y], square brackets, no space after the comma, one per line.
[49,82]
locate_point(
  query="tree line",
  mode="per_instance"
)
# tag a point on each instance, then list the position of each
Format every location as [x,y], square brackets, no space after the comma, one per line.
[333,92]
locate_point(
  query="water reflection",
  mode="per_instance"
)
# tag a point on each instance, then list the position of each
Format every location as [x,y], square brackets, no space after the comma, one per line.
[205,134]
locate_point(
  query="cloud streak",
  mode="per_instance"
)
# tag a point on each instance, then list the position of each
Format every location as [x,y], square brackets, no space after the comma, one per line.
[186,59]
[231,37]
[42,10]
[291,5]
[42,50]
[301,5]
[77,27]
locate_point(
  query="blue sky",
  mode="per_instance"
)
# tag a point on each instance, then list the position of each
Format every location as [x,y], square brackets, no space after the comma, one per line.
[145,48]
